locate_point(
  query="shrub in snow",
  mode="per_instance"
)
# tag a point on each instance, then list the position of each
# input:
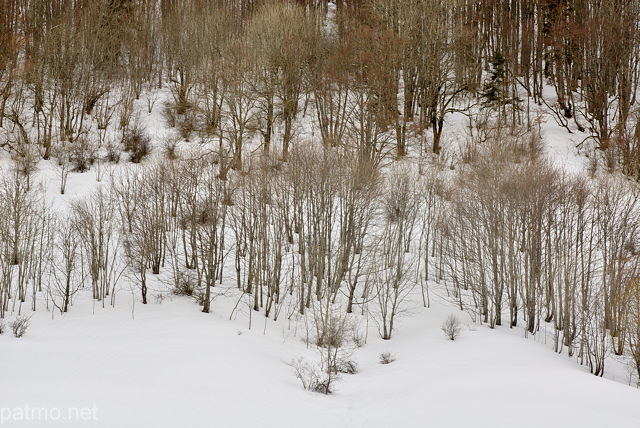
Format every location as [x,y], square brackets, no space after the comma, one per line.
[169,114]
[82,155]
[322,387]
[160,297]
[387,358]
[170,144]
[333,329]
[186,124]
[113,152]
[312,377]
[2,326]
[20,325]
[451,327]
[330,336]
[346,366]
[200,297]
[184,284]
[137,143]
[358,338]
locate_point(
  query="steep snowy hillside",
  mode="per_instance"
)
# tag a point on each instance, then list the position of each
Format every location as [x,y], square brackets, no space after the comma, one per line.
[166,364]
[372,213]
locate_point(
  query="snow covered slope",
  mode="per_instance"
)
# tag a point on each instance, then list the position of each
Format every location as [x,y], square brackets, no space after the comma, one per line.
[169,365]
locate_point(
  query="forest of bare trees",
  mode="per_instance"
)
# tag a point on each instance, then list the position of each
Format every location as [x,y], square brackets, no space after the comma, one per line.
[310,166]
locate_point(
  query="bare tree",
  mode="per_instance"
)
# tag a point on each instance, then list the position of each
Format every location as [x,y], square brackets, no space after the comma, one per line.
[392,262]
[451,327]
[212,199]
[373,101]
[617,214]
[632,313]
[239,115]
[66,273]
[331,83]
[284,35]
[260,236]
[98,230]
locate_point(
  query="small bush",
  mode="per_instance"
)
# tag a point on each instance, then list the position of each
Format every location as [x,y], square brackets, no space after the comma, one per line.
[186,125]
[170,148]
[200,297]
[312,378]
[169,114]
[387,358]
[160,297]
[322,387]
[126,112]
[451,327]
[358,338]
[113,152]
[20,325]
[346,367]
[82,155]
[137,143]
[3,326]
[184,284]
[331,336]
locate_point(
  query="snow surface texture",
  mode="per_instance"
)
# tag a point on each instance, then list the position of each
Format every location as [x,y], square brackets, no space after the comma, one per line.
[173,366]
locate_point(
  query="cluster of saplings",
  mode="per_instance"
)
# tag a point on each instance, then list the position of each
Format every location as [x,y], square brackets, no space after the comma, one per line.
[330,235]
